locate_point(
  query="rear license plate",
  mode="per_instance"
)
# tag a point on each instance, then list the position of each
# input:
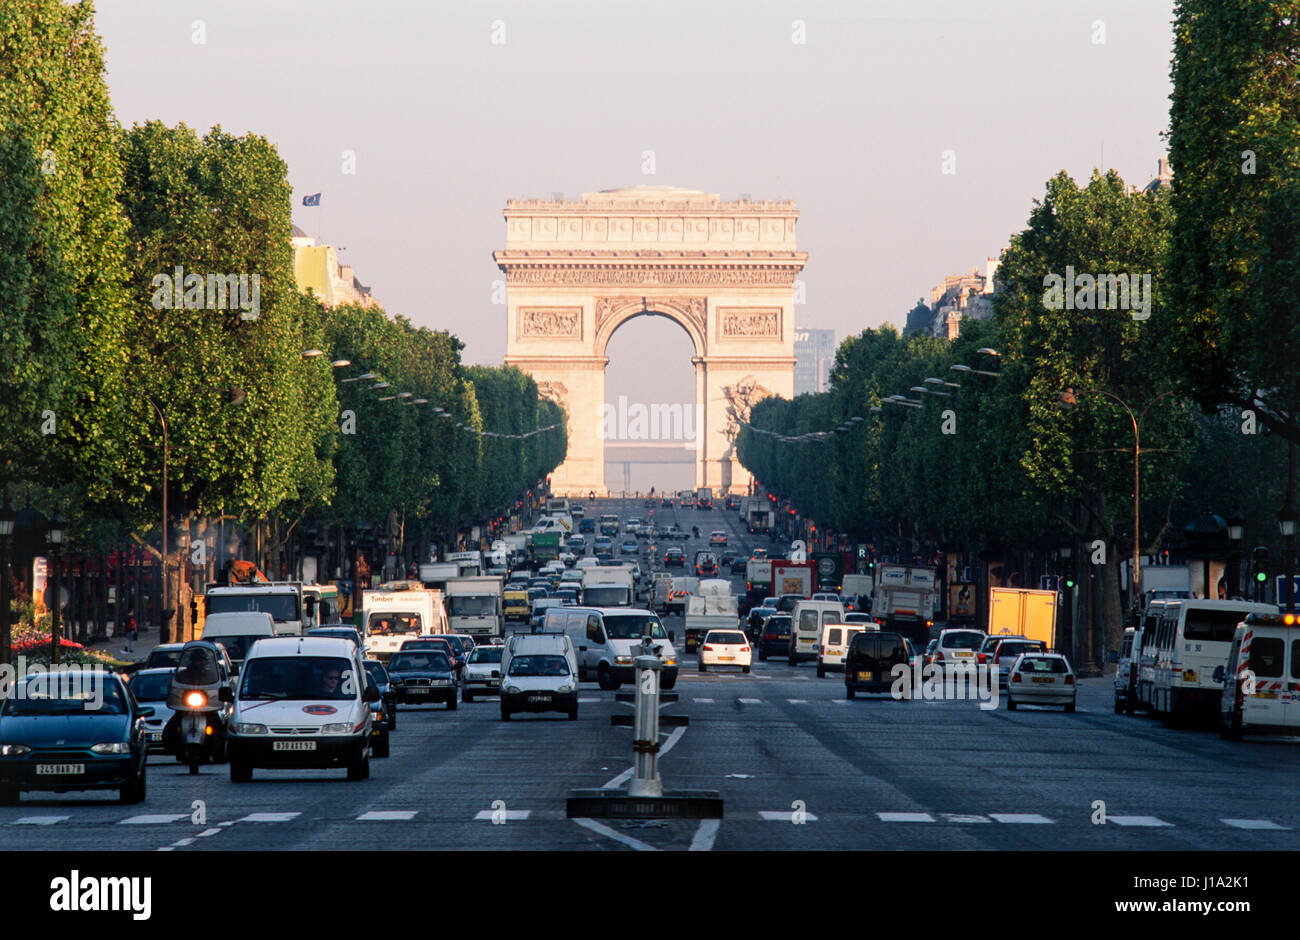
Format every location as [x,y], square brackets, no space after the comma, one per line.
[293,746]
[961,655]
[418,691]
[866,676]
[1043,679]
[59,770]
[539,698]
[725,659]
[155,736]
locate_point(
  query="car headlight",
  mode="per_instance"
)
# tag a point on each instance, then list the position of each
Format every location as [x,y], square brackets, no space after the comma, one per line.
[398,682]
[441,682]
[243,727]
[336,727]
[511,689]
[14,750]
[112,747]
[565,689]
[623,660]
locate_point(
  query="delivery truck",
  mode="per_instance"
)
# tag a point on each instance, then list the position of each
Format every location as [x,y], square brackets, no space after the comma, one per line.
[904,601]
[793,577]
[607,586]
[713,608]
[398,611]
[474,606]
[1023,612]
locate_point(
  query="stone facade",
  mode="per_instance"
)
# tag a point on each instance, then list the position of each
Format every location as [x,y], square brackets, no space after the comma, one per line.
[576,270]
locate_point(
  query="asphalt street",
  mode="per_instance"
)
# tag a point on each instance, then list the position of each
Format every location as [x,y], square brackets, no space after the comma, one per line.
[798,765]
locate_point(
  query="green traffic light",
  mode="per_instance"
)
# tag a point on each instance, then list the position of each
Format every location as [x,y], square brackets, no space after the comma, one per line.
[1069,583]
[1261,576]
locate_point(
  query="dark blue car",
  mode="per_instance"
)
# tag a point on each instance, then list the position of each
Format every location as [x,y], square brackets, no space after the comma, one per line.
[70,730]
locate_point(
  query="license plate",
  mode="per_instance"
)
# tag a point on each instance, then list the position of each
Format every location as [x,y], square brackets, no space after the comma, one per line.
[59,770]
[866,676]
[726,659]
[155,735]
[293,746]
[418,691]
[539,698]
[1043,679]
[960,655]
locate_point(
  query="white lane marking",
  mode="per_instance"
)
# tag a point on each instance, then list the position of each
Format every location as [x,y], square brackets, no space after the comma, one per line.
[905,817]
[627,774]
[1252,824]
[206,833]
[153,818]
[741,776]
[40,820]
[228,822]
[166,848]
[797,701]
[588,701]
[519,814]
[387,815]
[838,701]
[964,818]
[616,836]
[269,817]
[179,842]
[1032,819]
[750,701]
[783,815]
[1136,821]
[705,835]
[703,701]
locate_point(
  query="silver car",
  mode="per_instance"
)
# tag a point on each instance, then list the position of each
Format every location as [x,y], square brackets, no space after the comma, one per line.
[482,673]
[1042,679]
[149,686]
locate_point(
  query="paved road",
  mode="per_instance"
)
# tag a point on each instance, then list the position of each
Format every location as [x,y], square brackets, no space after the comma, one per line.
[799,766]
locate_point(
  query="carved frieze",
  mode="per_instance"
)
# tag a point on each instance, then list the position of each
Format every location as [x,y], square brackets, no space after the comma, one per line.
[749,323]
[647,276]
[550,322]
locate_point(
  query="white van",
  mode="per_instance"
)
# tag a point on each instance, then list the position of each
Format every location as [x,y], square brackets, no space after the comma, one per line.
[1192,642]
[301,702]
[1263,667]
[835,641]
[1144,654]
[806,631]
[238,632]
[539,673]
[604,639]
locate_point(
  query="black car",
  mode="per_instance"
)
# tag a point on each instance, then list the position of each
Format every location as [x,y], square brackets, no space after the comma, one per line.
[64,731]
[733,503]
[424,676]
[666,502]
[674,558]
[775,639]
[379,677]
[870,661]
[739,564]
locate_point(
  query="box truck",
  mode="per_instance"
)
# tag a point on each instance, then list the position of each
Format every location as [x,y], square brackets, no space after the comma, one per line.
[474,606]
[1023,612]
[396,612]
[904,601]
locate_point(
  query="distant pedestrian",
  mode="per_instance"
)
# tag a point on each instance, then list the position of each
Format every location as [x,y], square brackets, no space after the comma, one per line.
[130,634]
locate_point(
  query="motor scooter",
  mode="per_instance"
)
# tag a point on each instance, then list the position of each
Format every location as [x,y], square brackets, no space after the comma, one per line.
[196,733]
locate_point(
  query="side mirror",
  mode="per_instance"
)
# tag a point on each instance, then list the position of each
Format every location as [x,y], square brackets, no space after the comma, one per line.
[371,694]
[1218,674]
[225,694]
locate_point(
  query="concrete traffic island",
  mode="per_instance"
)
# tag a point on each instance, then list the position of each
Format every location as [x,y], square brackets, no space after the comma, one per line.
[645,796]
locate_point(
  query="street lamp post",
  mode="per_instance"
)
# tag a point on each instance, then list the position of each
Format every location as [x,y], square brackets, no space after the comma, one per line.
[7,518]
[56,559]
[1236,529]
[164,633]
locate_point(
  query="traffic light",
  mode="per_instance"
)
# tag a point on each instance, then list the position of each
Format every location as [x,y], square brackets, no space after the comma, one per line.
[1260,571]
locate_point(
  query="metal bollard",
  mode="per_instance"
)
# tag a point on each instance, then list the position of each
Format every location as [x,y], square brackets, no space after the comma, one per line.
[645,779]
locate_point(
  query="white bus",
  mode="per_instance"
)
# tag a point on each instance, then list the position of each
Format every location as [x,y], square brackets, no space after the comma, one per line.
[1193,640]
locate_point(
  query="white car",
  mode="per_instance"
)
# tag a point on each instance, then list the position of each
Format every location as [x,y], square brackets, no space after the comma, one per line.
[1042,679]
[725,648]
[959,647]
[568,558]
[539,673]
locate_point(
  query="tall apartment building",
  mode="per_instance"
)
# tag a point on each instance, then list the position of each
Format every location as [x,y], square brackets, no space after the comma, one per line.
[814,352]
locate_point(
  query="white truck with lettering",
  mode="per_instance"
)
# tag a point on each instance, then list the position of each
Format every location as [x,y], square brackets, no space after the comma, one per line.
[281,599]
[399,611]
[474,606]
[607,586]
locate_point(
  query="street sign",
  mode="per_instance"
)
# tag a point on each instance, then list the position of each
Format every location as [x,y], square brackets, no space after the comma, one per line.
[1045,582]
[1280,588]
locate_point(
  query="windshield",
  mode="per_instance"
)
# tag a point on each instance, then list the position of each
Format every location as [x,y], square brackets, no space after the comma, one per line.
[160,658]
[486,654]
[236,646]
[393,624]
[1215,626]
[457,644]
[281,607]
[1043,664]
[151,688]
[297,677]
[198,666]
[66,692]
[468,605]
[538,666]
[634,626]
[962,640]
[423,661]
[725,639]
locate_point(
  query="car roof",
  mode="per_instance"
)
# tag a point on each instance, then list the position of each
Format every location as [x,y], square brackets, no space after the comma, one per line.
[155,671]
[301,646]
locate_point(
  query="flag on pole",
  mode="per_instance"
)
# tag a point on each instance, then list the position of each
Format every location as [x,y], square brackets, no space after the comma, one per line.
[311,200]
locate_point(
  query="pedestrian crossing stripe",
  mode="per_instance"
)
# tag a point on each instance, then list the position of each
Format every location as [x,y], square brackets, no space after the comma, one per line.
[270,817]
[153,819]
[40,820]
[1135,820]
[905,817]
[964,818]
[784,815]
[797,701]
[703,701]
[1252,824]
[1022,818]
[750,701]
[387,815]
[508,815]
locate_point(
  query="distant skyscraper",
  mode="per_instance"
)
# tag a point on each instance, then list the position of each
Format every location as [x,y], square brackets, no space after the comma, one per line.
[814,352]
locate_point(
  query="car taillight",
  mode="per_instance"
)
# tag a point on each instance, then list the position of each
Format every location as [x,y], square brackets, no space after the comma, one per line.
[708,648]
[982,659]
[769,636]
[744,649]
[1069,680]
[1015,677]
[938,657]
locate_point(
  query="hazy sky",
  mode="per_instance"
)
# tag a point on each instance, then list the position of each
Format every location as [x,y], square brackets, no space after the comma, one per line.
[851,124]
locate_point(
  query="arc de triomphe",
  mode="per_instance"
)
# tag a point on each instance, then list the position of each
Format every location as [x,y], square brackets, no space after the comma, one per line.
[724,271]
